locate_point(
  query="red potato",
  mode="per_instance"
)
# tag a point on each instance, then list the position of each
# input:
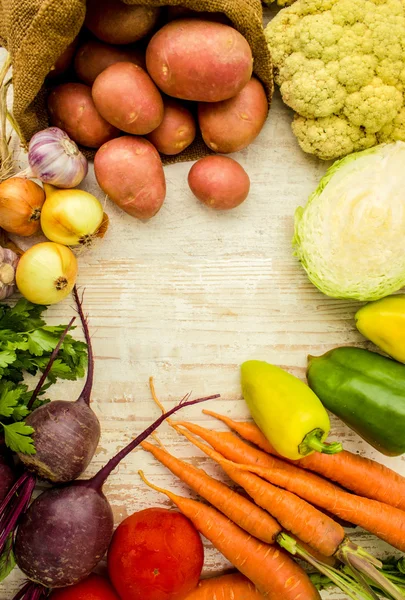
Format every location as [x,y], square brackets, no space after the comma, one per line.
[92,588]
[130,171]
[177,130]
[93,57]
[233,124]
[219,182]
[114,22]
[65,60]
[199,60]
[126,97]
[156,554]
[72,109]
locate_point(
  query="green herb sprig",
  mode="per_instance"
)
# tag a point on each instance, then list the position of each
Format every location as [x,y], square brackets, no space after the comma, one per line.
[26,343]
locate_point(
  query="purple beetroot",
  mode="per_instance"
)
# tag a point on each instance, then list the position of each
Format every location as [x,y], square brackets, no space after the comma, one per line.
[66,434]
[7,476]
[66,531]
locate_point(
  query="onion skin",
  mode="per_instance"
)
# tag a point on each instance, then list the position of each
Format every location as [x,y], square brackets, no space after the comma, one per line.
[54,158]
[71,217]
[21,203]
[46,273]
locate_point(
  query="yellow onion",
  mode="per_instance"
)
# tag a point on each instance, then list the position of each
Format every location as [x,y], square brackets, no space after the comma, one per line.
[71,217]
[20,206]
[46,273]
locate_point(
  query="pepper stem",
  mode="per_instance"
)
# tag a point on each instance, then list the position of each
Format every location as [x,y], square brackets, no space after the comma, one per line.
[343,581]
[313,442]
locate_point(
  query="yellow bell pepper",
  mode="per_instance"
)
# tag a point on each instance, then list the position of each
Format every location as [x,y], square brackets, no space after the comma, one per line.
[287,411]
[383,323]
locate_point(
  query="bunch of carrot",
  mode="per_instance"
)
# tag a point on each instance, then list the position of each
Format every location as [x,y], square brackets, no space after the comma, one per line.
[284,496]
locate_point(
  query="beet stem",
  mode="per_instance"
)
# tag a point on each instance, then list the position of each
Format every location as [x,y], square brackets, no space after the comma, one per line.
[99,479]
[16,487]
[16,507]
[20,594]
[31,591]
[88,386]
[52,359]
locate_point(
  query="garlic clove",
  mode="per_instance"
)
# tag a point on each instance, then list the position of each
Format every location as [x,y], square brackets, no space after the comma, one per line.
[7,274]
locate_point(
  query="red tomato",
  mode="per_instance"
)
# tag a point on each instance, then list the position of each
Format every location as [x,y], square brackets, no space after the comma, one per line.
[156,554]
[92,588]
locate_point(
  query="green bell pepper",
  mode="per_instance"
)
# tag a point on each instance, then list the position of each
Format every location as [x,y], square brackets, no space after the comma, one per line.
[366,391]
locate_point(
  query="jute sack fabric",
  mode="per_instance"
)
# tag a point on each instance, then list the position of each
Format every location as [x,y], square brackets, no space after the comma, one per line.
[36,32]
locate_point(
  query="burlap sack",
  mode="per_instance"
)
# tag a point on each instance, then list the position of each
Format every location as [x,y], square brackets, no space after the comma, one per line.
[37,31]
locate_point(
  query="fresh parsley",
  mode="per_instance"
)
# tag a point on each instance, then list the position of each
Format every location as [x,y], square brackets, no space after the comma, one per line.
[26,343]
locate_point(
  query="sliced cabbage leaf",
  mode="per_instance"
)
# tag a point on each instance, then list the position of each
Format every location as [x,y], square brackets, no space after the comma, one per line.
[350,237]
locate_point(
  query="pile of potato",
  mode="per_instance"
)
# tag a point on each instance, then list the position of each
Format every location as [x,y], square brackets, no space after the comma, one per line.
[144,76]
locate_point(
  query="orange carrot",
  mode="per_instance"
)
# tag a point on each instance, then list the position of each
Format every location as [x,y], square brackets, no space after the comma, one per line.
[228,587]
[271,570]
[297,516]
[242,511]
[247,430]
[363,476]
[386,522]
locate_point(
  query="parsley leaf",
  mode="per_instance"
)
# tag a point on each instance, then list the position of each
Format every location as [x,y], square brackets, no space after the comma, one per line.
[40,341]
[17,437]
[26,343]
[23,316]
[7,559]
[9,396]
[7,357]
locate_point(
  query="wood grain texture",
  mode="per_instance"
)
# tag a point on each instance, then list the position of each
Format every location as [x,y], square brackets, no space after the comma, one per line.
[190,295]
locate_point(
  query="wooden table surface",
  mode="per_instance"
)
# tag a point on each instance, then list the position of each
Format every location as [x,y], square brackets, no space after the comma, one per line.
[190,295]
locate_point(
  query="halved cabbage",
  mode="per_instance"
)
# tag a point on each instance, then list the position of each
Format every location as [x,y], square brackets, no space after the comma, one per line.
[350,237]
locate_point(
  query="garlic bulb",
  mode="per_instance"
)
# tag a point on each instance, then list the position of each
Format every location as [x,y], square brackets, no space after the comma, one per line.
[8,264]
[54,158]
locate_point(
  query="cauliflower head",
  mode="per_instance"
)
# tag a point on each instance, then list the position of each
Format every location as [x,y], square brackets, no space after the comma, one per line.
[340,65]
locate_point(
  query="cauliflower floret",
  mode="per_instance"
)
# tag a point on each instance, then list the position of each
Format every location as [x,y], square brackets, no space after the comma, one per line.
[373,106]
[312,89]
[394,131]
[390,72]
[329,137]
[340,65]
[356,71]
[348,12]
[315,34]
